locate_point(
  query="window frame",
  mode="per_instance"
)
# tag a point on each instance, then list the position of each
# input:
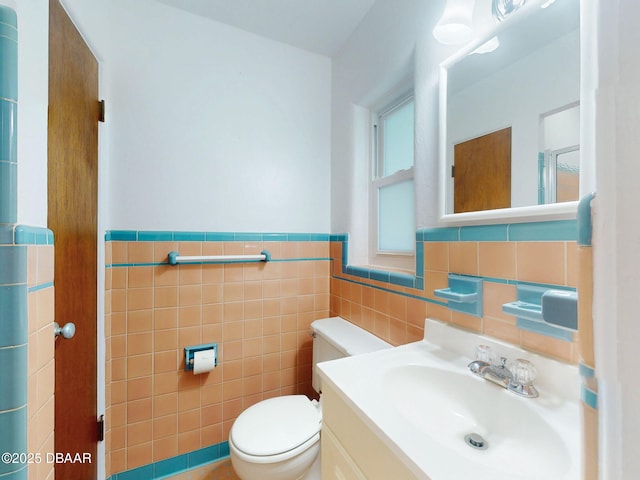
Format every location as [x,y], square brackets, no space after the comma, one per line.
[401,259]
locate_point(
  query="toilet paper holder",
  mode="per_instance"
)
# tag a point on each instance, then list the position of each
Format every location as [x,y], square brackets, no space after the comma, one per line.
[189,353]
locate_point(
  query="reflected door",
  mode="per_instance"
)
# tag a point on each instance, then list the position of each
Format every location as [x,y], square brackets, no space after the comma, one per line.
[482,173]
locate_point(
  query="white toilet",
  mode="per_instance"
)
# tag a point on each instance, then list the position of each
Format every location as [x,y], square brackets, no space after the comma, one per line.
[279,438]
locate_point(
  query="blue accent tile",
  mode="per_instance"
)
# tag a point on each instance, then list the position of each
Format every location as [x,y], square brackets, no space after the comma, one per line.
[419,283]
[25,235]
[319,237]
[9,70]
[6,234]
[402,279]
[155,236]
[248,237]
[8,191]
[543,231]
[220,236]
[189,236]
[8,16]
[338,237]
[8,31]
[299,237]
[379,275]
[8,129]
[13,425]
[13,315]
[141,473]
[274,237]
[586,371]
[13,265]
[204,455]
[420,259]
[447,234]
[123,235]
[589,397]
[484,233]
[224,449]
[585,228]
[544,329]
[170,466]
[18,474]
[13,377]
[357,271]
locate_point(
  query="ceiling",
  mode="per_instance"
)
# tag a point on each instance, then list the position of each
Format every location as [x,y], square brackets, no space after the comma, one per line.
[320,26]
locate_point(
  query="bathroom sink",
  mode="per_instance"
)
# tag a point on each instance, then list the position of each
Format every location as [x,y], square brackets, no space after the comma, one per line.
[422,400]
[447,406]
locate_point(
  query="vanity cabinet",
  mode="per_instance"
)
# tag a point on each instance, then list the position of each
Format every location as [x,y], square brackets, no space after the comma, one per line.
[351,450]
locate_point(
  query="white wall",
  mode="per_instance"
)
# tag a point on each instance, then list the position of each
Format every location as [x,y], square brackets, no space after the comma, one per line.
[392,48]
[208,127]
[614,95]
[33,99]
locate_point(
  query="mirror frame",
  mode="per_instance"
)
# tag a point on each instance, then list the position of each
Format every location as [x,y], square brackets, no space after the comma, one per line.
[533,213]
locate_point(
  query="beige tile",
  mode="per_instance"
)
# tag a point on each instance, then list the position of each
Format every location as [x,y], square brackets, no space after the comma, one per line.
[494,296]
[463,258]
[497,259]
[541,262]
[436,256]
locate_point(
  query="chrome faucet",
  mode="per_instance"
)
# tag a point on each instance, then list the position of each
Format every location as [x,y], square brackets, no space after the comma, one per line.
[518,380]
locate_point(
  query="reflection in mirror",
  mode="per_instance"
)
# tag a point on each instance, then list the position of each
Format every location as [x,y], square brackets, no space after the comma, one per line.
[559,158]
[531,85]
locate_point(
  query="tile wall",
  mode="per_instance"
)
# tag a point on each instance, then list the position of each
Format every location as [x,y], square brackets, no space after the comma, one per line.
[504,256]
[258,313]
[41,363]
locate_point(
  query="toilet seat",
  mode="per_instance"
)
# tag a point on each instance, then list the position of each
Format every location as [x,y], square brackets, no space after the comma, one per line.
[276,428]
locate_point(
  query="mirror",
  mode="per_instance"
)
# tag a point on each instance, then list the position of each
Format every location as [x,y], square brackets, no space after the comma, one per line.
[510,119]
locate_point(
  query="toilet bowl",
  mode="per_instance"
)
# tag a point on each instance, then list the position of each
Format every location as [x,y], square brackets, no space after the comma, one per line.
[279,438]
[276,439]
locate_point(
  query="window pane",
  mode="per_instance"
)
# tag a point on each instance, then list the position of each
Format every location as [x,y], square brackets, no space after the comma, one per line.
[398,139]
[396,219]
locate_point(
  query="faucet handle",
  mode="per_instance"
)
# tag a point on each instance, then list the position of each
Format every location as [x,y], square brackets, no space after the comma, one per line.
[486,354]
[524,372]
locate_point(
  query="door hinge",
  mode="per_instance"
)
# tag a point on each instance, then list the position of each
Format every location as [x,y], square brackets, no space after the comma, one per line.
[452,170]
[101,108]
[101,428]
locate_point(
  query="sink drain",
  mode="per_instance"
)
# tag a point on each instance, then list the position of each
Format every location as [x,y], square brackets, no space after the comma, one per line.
[476,441]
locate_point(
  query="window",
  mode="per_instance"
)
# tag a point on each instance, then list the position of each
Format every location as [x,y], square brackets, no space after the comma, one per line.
[392,192]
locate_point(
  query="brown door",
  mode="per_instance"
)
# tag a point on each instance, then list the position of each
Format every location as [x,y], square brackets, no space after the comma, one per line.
[72,216]
[482,179]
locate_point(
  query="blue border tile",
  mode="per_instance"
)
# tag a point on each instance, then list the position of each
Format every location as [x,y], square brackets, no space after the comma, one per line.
[13,315]
[446,234]
[560,230]
[586,371]
[589,397]
[585,228]
[26,235]
[13,425]
[155,236]
[122,236]
[13,377]
[175,465]
[13,265]
[544,329]
[220,237]
[484,233]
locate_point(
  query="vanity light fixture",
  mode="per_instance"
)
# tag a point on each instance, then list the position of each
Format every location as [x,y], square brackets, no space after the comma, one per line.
[501,9]
[455,27]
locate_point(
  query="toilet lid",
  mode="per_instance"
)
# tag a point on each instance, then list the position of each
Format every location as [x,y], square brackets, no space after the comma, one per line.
[276,425]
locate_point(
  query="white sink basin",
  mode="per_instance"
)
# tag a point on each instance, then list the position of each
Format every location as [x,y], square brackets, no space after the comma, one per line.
[422,400]
[447,406]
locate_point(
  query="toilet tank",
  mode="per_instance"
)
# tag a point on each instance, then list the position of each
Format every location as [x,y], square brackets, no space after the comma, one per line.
[337,338]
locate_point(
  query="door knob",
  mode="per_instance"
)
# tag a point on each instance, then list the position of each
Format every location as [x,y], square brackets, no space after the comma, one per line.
[68,331]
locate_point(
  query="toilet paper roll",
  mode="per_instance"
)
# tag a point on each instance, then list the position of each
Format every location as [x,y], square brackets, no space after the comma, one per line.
[204,361]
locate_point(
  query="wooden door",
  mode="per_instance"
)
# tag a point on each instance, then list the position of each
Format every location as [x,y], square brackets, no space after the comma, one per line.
[72,216]
[482,173]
